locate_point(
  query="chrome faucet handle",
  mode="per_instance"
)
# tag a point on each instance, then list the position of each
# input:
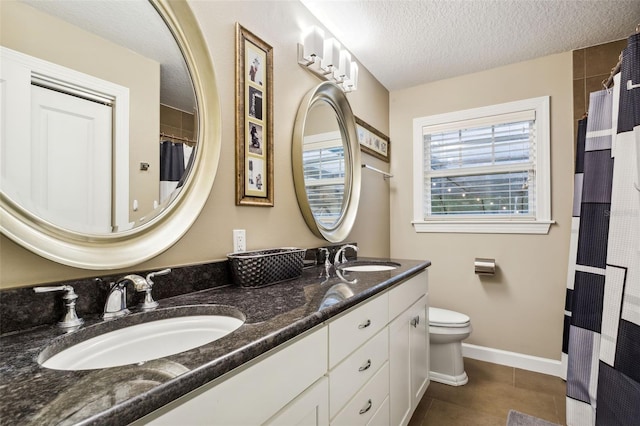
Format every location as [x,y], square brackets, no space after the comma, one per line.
[139,283]
[327,262]
[325,250]
[70,320]
[148,303]
[341,252]
[157,274]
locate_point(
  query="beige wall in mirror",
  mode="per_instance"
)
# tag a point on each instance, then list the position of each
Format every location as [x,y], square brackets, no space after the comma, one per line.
[521,308]
[210,238]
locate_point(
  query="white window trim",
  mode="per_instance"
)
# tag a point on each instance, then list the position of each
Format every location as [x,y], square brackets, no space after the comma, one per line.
[542,221]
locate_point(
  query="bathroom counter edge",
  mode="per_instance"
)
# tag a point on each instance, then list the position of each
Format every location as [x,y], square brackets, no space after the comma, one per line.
[34,395]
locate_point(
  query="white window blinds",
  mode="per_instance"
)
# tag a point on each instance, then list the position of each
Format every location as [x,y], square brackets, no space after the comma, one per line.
[484,170]
[481,167]
[324,179]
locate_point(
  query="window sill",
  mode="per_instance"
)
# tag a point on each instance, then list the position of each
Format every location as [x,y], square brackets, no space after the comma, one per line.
[485,227]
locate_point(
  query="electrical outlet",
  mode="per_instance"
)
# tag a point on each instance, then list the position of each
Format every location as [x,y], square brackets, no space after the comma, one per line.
[239,240]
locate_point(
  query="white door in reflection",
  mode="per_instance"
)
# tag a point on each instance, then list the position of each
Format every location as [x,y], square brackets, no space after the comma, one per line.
[69,130]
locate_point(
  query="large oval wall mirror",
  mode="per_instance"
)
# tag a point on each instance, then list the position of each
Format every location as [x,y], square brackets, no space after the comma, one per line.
[111,128]
[326,162]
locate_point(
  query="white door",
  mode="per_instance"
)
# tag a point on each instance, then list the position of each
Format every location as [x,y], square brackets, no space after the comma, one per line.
[71,160]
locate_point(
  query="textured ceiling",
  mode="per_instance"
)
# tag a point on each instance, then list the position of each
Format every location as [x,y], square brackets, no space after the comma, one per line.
[406,43]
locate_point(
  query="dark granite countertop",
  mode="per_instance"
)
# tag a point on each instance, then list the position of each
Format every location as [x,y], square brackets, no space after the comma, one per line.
[31,394]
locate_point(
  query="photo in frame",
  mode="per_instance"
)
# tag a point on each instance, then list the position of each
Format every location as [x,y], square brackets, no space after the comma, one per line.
[254,120]
[373,141]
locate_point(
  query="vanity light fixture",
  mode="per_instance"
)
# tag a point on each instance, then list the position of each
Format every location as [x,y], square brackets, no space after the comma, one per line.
[325,58]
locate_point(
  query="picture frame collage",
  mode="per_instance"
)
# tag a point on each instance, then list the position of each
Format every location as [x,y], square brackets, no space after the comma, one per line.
[254,120]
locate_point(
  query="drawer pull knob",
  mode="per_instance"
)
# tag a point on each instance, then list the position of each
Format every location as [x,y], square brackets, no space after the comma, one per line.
[365,324]
[366,366]
[415,321]
[367,408]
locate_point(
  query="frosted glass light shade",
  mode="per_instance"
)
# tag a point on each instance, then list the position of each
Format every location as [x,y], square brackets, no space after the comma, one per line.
[313,42]
[352,81]
[344,65]
[331,54]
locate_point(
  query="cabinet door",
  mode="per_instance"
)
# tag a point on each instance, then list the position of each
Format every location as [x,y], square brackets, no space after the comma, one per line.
[408,361]
[400,391]
[419,344]
[255,394]
[311,408]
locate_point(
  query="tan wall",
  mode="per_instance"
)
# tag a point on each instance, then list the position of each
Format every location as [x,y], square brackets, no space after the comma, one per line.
[56,41]
[521,308]
[210,238]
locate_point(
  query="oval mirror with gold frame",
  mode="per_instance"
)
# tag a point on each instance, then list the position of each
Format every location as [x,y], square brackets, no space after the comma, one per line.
[162,227]
[326,162]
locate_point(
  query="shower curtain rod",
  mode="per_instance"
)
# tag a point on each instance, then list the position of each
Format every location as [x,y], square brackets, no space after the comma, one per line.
[177,138]
[609,81]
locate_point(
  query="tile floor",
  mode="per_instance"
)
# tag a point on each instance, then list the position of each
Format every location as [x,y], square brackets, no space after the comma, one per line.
[491,392]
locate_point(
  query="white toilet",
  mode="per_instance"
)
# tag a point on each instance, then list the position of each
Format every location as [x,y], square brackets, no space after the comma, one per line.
[447,329]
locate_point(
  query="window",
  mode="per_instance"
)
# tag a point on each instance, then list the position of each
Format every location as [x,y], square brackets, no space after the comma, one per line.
[324,176]
[484,170]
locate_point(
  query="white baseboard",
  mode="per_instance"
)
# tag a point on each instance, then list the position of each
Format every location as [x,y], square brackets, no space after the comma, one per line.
[513,359]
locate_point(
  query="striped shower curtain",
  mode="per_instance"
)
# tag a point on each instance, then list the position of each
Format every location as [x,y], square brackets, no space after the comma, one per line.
[601,342]
[175,159]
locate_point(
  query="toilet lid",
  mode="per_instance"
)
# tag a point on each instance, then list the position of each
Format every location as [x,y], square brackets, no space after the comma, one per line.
[446,318]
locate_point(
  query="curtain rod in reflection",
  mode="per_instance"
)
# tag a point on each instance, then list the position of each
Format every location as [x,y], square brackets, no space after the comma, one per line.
[178,138]
[385,175]
[609,81]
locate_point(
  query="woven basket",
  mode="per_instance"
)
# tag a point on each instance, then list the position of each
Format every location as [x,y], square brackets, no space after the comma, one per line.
[263,267]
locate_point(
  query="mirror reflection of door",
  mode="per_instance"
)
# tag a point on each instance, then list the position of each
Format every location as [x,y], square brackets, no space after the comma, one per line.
[60,141]
[88,37]
[67,129]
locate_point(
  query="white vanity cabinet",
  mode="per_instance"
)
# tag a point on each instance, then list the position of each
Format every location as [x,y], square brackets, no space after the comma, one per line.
[408,347]
[272,386]
[368,366]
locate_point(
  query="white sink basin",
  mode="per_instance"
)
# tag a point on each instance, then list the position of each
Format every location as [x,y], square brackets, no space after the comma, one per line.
[370,267]
[143,342]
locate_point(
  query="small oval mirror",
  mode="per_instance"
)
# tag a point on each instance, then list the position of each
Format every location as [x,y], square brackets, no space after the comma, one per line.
[326,162]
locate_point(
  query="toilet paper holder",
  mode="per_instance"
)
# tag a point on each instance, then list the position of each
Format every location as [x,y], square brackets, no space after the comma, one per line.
[484,266]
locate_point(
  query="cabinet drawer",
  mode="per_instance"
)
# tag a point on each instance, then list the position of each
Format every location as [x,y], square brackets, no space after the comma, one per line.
[356,327]
[349,376]
[362,408]
[381,417]
[405,294]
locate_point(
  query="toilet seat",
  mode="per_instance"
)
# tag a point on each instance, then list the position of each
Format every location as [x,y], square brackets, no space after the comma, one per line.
[439,317]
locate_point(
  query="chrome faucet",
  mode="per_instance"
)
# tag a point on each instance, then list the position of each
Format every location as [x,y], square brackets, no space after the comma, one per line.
[116,305]
[341,252]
